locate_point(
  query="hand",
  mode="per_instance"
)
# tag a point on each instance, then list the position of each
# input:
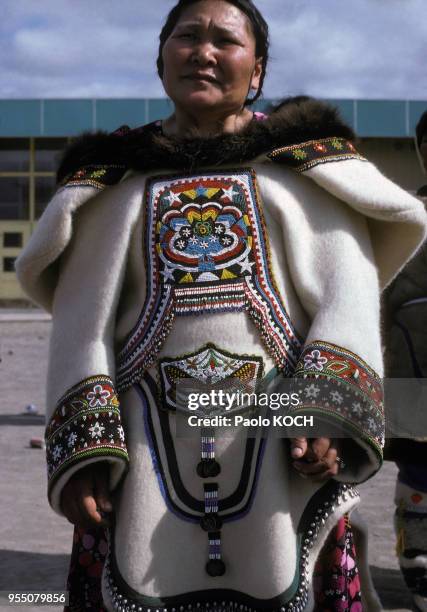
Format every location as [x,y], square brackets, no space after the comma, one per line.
[85,498]
[317,458]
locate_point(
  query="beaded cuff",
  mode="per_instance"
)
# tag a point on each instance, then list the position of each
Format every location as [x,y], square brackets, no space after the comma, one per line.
[86,423]
[343,387]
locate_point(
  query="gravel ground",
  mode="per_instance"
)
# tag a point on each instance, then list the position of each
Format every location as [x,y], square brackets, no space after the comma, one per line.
[35,542]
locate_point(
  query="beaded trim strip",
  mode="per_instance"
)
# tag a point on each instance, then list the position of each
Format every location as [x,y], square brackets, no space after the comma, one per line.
[85,423]
[124,600]
[214,545]
[98,176]
[211,507]
[343,386]
[211,497]
[302,157]
[206,250]
[207,443]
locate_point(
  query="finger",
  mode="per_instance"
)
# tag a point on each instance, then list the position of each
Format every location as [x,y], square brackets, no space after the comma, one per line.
[319,470]
[319,447]
[71,511]
[87,504]
[102,494]
[310,469]
[298,447]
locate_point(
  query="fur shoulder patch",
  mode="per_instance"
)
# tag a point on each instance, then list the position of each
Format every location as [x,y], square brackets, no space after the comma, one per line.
[294,120]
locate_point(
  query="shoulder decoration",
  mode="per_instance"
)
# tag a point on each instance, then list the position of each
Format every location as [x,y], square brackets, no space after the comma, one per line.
[304,156]
[98,176]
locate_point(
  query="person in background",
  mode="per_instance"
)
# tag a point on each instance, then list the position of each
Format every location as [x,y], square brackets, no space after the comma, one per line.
[405,304]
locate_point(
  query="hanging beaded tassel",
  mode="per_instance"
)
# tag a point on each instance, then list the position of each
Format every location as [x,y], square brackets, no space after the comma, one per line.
[212,523]
[208,466]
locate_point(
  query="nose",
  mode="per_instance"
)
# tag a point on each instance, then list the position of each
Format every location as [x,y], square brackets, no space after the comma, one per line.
[204,54]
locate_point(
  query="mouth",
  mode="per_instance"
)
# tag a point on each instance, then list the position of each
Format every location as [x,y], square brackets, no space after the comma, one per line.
[200,76]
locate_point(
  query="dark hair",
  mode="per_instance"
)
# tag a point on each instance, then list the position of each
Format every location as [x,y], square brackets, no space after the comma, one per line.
[259,27]
[421,128]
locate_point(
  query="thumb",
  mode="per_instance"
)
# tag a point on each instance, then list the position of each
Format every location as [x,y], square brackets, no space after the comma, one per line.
[298,447]
[102,494]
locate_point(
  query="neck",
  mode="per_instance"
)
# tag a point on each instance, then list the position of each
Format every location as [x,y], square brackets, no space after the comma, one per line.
[205,125]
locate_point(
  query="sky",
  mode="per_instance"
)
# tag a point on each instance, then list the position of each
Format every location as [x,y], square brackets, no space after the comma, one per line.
[375,49]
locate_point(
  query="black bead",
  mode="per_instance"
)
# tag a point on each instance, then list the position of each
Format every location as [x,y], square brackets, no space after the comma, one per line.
[215,567]
[211,522]
[208,468]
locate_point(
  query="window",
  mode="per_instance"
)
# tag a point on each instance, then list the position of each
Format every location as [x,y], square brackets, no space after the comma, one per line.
[12,240]
[9,264]
[27,176]
[45,187]
[14,154]
[14,198]
[48,153]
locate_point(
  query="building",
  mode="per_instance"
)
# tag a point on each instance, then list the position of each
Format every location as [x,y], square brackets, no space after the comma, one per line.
[33,133]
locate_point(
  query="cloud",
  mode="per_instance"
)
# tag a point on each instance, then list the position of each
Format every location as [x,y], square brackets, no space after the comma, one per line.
[333,49]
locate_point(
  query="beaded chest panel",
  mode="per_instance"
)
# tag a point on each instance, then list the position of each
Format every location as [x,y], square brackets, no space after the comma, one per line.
[206,250]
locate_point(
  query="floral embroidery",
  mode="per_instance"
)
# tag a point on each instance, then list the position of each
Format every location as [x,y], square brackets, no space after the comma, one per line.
[349,390]
[320,148]
[337,143]
[98,397]
[98,176]
[85,423]
[311,391]
[336,397]
[206,251]
[72,439]
[299,154]
[98,173]
[57,452]
[304,156]
[314,361]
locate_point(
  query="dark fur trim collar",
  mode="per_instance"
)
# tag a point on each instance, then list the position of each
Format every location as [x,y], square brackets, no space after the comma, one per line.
[293,121]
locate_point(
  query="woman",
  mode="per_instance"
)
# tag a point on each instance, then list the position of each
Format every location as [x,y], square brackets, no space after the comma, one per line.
[212,213]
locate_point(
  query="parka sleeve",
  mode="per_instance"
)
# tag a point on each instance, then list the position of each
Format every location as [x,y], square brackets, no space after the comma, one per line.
[346,233]
[77,273]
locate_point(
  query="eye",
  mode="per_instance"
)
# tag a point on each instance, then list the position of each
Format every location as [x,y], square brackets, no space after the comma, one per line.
[187,36]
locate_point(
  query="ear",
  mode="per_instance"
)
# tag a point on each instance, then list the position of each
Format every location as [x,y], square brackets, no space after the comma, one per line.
[256,75]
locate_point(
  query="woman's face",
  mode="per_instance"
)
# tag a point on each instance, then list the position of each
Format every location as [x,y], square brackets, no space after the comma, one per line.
[209,59]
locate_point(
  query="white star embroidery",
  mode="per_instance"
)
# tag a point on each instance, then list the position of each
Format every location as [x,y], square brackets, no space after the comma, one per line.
[229,193]
[167,273]
[246,266]
[173,197]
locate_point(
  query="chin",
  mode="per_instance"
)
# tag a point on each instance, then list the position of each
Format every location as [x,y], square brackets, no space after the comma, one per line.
[201,102]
